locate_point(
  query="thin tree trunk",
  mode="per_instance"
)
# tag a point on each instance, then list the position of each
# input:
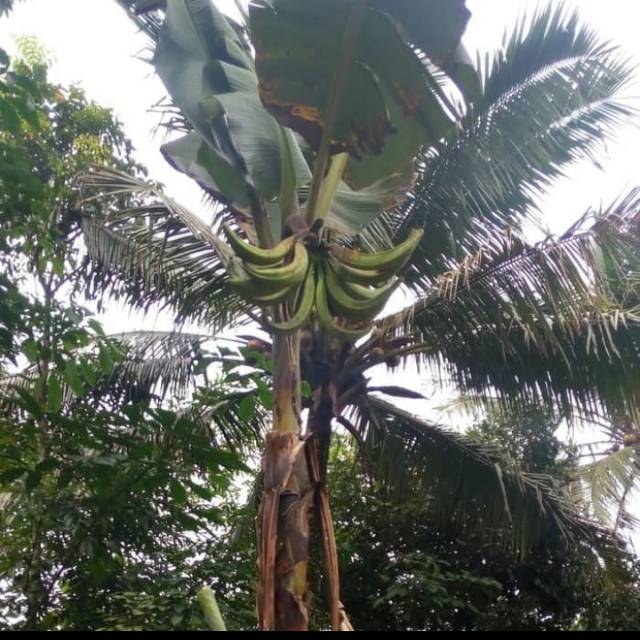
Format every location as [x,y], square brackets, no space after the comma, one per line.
[294,469]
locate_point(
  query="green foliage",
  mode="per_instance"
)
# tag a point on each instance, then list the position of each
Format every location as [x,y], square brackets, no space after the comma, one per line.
[103,486]
[420,576]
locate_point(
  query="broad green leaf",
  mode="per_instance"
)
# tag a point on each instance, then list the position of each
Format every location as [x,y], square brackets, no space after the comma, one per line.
[55,393]
[72,377]
[30,349]
[178,492]
[194,157]
[33,480]
[106,360]
[247,408]
[7,477]
[30,403]
[96,326]
[388,92]
[89,374]
[210,75]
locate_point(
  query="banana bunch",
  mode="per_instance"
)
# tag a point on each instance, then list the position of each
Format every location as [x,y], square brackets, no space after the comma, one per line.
[266,277]
[353,287]
[347,288]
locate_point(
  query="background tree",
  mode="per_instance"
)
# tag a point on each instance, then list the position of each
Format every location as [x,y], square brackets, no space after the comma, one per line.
[103,484]
[422,576]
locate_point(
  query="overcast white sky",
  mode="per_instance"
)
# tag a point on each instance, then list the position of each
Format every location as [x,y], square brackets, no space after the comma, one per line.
[93,44]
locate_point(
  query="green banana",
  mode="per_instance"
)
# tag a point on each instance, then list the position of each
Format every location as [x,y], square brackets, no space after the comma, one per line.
[252,291]
[345,306]
[344,333]
[256,255]
[364,277]
[282,295]
[291,274]
[360,292]
[305,307]
[389,262]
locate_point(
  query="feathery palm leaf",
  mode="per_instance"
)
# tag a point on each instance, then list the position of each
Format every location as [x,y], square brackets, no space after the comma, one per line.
[155,251]
[169,365]
[474,490]
[6,6]
[607,484]
[550,96]
[546,323]
[155,366]
[151,364]
[158,363]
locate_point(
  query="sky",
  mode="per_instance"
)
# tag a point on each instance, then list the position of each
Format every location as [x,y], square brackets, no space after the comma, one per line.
[92,43]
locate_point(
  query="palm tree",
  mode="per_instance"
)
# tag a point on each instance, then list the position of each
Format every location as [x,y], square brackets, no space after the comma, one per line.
[313,139]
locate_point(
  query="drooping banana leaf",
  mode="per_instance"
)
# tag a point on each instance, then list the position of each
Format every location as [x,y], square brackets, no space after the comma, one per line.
[208,70]
[436,28]
[390,105]
[239,152]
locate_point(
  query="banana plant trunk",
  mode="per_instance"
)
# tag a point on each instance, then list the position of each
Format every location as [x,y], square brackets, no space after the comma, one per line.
[283,519]
[293,488]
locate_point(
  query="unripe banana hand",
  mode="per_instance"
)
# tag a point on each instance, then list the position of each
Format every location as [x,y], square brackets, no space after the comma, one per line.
[346,288]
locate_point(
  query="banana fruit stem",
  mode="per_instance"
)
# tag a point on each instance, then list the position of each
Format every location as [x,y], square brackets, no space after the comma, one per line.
[286,383]
[351,34]
[330,185]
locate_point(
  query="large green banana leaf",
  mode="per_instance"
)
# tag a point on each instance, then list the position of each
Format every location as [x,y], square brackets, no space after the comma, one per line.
[390,105]
[240,152]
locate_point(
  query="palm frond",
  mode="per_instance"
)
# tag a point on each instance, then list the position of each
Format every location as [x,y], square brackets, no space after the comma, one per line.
[151,365]
[149,249]
[551,96]
[6,6]
[555,323]
[158,363]
[607,483]
[171,366]
[164,369]
[474,491]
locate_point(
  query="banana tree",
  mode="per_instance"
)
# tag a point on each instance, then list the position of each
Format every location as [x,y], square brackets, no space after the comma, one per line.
[352,148]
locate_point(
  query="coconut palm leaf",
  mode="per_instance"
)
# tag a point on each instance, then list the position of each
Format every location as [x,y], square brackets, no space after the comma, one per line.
[149,250]
[151,364]
[607,484]
[156,366]
[162,364]
[474,490]
[171,366]
[551,96]
[554,323]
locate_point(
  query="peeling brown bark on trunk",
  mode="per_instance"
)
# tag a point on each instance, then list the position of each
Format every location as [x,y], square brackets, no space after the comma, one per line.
[283,519]
[293,487]
[337,613]
[283,535]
